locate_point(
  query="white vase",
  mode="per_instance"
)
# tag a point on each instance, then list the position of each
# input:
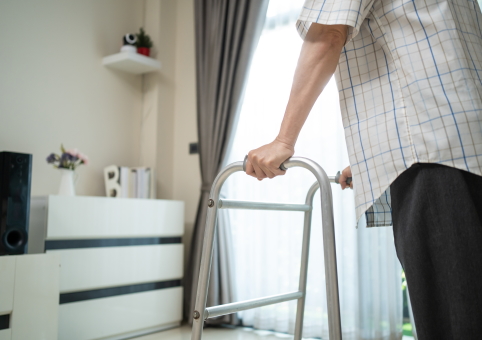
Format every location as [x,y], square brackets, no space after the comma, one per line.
[67,187]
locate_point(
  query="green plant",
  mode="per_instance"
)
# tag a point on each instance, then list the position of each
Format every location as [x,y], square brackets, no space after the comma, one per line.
[143,40]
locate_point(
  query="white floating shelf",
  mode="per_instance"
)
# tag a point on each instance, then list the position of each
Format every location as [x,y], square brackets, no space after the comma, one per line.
[131,62]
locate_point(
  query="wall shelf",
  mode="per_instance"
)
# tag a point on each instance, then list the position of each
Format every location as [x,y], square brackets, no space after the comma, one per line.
[131,62]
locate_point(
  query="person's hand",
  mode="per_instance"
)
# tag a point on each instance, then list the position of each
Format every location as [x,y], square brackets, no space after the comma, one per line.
[264,162]
[344,175]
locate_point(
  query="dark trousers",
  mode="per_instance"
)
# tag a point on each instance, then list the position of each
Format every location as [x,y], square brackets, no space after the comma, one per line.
[437,224]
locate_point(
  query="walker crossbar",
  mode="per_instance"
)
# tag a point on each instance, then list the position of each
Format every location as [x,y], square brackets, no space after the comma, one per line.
[202,313]
[232,204]
[229,308]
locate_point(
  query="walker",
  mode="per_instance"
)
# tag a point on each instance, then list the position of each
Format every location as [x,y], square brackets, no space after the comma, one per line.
[202,313]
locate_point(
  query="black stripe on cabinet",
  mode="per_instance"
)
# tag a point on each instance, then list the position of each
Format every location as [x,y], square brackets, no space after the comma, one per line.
[115,291]
[109,242]
[4,321]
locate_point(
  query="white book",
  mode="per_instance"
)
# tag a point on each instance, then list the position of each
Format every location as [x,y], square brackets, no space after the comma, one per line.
[152,184]
[147,182]
[133,183]
[140,179]
[124,181]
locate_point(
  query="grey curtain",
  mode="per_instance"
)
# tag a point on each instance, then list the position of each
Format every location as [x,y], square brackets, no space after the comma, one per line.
[227,32]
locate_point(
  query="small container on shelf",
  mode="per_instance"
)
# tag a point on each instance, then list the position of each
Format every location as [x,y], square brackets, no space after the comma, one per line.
[144,43]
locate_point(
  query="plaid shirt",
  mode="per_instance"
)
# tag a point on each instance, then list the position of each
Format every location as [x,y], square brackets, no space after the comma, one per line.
[410,84]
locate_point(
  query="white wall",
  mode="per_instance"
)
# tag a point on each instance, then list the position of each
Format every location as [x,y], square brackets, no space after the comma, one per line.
[187,178]
[171,93]
[55,90]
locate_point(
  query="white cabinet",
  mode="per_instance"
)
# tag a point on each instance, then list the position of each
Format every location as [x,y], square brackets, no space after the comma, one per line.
[121,263]
[29,296]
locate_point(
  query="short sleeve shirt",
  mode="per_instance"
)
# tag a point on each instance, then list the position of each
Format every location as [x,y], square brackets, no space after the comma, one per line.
[410,85]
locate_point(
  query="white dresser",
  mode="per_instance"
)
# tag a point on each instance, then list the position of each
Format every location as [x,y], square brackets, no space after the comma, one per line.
[29,295]
[121,263]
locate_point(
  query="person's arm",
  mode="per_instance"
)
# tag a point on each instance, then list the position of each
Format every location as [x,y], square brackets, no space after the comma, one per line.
[317,62]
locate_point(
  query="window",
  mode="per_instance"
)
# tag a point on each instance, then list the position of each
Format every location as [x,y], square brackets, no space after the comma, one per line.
[268,244]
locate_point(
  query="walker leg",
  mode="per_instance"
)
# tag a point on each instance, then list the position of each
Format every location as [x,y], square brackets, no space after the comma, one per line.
[207,251]
[331,276]
[300,310]
[204,271]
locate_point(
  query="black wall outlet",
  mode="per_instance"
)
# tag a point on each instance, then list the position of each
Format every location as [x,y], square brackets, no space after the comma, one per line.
[193,148]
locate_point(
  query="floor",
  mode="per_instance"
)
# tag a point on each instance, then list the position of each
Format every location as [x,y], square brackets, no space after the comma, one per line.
[240,333]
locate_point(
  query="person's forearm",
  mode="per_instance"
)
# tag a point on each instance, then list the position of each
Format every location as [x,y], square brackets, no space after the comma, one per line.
[318,60]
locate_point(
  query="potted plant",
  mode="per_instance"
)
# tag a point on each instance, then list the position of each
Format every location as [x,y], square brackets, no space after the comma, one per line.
[144,43]
[67,162]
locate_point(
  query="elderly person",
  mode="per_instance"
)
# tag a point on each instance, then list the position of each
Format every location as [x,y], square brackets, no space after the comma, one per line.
[409,74]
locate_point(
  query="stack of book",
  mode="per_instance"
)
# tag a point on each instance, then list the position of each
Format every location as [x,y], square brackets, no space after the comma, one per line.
[125,182]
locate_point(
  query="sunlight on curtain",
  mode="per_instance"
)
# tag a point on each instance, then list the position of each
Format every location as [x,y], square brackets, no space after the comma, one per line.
[267,245]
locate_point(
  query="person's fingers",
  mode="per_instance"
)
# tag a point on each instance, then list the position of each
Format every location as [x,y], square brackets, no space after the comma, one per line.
[342,181]
[345,174]
[267,171]
[263,166]
[259,173]
[279,172]
[275,168]
[250,169]
[265,160]
[271,173]
[254,160]
[268,168]
[253,169]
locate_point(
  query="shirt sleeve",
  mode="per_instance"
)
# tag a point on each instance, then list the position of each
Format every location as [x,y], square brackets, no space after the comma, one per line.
[334,12]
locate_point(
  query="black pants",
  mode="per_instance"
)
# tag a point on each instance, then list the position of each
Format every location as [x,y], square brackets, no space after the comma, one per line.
[437,223]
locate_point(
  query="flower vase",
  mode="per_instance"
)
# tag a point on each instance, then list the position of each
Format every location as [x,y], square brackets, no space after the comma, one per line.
[67,187]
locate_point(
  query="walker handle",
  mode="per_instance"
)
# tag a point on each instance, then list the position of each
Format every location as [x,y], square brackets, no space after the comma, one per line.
[282,167]
[337,179]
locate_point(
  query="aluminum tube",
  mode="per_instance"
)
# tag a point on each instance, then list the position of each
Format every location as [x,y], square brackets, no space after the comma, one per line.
[207,251]
[333,179]
[328,242]
[331,275]
[305,251]
[234,307]
[234,204]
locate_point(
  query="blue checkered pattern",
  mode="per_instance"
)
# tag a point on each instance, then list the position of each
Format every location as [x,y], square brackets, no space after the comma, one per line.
[410,83]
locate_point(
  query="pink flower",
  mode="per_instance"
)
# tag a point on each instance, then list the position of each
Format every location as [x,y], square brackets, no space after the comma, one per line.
[73,152]
[83,158]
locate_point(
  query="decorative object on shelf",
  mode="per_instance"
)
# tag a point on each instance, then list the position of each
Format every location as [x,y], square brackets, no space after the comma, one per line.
[144,43]
[129,43]
[67,162]
[124,182]
[67,187]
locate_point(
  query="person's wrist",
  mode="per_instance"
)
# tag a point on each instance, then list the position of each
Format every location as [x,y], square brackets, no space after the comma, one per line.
[285,142]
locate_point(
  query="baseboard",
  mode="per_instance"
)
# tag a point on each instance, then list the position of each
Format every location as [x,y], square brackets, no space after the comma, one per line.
[142,332]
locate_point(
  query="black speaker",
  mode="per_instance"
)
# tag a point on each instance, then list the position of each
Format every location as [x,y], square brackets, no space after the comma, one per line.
[15,181]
